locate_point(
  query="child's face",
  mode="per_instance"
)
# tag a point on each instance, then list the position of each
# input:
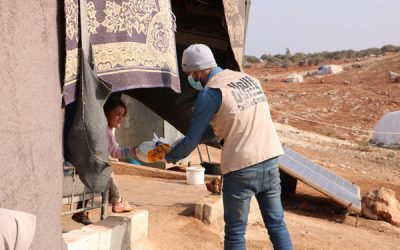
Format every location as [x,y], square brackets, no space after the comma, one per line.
[115,117]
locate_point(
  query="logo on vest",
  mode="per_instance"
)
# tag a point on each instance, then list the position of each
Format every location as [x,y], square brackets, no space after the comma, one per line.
[247,93]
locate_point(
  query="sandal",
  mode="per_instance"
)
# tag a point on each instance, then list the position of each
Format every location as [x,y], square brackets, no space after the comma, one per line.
[82,217]
[122,207]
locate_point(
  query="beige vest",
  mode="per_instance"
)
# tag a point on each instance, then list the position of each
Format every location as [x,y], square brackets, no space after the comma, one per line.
[243,122]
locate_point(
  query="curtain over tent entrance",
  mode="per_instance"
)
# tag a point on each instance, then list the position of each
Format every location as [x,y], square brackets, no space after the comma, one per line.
[136,46]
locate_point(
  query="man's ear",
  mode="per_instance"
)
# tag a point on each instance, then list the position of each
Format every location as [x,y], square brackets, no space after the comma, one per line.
[196,75]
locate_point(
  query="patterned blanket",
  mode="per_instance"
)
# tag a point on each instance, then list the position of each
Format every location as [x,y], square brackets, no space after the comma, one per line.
[133,44]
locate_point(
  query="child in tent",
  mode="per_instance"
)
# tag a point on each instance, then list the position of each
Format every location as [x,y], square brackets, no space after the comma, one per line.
[115,111]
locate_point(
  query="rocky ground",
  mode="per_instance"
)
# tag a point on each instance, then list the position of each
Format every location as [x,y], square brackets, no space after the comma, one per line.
[332,109]
[355,99]
[325,119]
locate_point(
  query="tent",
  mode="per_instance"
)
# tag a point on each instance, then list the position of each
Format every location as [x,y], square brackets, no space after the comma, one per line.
[40,40]
[329,69]
[294,78]
[387,130]
[140,58]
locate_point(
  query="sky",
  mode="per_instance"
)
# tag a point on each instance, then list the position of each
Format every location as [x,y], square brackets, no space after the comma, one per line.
[318,25]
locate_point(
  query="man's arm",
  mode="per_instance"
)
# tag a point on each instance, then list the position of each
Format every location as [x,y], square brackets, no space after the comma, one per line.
[207,104]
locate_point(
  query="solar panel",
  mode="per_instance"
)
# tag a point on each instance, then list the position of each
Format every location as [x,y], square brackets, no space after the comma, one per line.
[325,181]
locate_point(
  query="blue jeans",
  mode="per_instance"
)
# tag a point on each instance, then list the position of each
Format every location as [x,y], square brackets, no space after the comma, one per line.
[263,181]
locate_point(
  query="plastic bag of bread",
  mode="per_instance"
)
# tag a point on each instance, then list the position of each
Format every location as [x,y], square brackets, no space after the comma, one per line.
[154,150]
[158,154]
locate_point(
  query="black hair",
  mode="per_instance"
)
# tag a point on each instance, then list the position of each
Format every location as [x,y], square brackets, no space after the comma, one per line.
[114,102]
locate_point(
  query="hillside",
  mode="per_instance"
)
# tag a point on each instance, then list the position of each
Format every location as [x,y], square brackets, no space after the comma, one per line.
[356,98]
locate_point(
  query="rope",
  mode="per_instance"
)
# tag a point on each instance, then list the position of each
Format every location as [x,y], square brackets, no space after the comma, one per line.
[336,126]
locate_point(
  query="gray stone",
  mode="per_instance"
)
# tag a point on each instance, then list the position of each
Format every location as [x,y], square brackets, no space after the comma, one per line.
[209,209]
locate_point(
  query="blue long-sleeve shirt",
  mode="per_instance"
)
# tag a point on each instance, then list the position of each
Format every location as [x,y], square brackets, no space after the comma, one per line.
[207,104]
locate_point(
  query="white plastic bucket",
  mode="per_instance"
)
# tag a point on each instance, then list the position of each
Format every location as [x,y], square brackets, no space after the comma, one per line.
[195,175]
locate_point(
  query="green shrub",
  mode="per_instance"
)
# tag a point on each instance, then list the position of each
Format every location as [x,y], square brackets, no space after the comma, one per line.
[252,59]
[390,48]
[364,146]
[287,59]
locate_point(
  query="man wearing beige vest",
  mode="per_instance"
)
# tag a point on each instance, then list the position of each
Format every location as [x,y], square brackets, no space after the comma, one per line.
[237,109]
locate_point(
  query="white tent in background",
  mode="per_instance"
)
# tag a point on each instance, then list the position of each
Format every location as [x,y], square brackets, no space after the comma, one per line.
[294,78]
[329,69]
[387,130]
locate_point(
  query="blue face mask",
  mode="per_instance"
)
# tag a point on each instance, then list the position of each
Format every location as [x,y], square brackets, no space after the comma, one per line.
[195,84]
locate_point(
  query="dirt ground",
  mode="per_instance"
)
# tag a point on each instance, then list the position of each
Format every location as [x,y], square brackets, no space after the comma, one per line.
[357,104]
[314,220]
[355,99]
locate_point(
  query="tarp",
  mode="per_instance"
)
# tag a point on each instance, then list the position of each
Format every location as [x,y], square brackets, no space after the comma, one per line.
[293,78]
[329,69]
[387,130]
[87,140]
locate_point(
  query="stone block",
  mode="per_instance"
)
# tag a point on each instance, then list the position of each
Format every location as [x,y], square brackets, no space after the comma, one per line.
[79,240]
[137,225]
[111,232]
[209,209]
[381,204]
[119,231]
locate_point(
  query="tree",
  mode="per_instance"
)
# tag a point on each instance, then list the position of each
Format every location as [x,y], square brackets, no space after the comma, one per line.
[286,63]
[287,53]
[350,53]
[251,59]
[266,57]
[273,61]
[390,48]
[317,59]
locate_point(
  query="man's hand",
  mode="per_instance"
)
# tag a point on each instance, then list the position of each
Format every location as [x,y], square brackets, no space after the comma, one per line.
[159,153]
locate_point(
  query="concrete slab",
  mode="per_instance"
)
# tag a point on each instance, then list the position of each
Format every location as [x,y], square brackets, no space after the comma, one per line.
[78,240]
[111,233]
[195,199]
[149,192]
[123,168]
[125,231]
[170,204]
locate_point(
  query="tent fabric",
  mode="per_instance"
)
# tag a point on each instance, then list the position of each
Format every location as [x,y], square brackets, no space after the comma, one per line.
[175,108]
[294,78]
[87,138]
[329,69]
[133,44]
[221,25]
[235,16]
[387,130]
